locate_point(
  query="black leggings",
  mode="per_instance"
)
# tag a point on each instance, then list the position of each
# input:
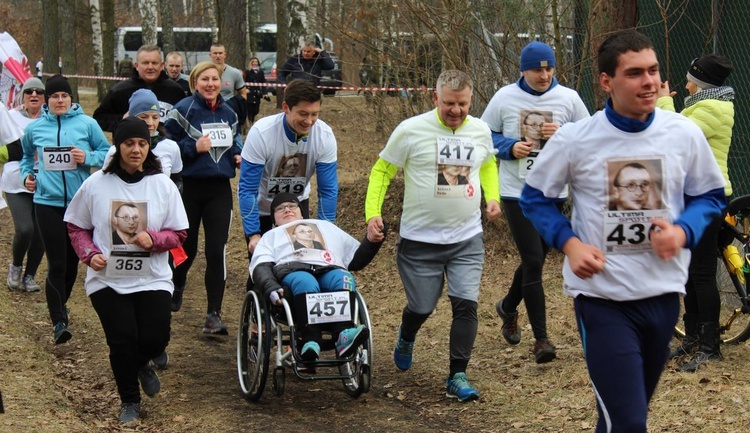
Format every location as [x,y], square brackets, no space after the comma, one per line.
[27,241]
[527,280]
[702,299]
[62,261]
[210,201]
[137,329]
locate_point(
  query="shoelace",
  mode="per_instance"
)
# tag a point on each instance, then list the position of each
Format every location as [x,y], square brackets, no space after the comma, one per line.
[404,347]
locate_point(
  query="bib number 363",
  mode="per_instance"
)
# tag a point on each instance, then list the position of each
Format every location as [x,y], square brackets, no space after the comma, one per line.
[328,307]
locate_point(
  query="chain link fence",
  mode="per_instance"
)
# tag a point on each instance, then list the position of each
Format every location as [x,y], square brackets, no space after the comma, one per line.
[407,44]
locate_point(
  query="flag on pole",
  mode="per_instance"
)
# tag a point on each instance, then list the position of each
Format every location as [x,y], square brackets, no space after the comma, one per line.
[16,70]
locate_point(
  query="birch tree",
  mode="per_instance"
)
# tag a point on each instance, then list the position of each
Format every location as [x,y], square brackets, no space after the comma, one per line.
[96,42]
[148,21]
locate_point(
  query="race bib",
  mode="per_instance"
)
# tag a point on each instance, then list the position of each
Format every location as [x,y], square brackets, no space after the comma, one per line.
[294,185]
[627,232]
[59,158]
[525,164]
[129,264]
[328,307]
[219,133]
[455,158]
[164,109]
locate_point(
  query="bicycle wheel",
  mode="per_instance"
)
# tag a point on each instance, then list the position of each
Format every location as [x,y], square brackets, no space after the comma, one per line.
[734,320]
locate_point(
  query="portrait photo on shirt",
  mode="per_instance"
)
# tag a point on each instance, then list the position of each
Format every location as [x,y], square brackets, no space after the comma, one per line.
[530,124]
[449,174]
[128,219]
[635,185]
[292,165]
[305,235]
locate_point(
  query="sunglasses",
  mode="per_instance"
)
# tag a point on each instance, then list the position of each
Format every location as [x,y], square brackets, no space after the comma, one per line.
[30,91]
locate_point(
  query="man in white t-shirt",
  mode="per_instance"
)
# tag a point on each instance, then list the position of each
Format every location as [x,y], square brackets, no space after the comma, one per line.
[626,269]
[523,116]
[295,137]
[441,227]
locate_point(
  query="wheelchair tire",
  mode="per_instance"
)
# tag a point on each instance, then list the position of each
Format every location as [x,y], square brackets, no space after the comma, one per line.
[362,362]
[279,380]
[253,346]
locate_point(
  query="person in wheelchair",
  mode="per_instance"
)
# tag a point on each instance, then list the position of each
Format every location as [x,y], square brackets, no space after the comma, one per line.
[279,263]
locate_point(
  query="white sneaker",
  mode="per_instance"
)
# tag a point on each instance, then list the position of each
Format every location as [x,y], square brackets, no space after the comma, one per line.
[30,285]
[14,277]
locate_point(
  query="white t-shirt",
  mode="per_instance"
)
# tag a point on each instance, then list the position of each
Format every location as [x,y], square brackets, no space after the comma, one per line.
[166,150]
[100,204]
[589,155]
[330,246]
[434,211]
[10,182]
[504,114]
[267,144]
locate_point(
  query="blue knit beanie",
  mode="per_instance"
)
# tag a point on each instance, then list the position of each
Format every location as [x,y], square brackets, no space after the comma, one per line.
[537,55]
[142,101]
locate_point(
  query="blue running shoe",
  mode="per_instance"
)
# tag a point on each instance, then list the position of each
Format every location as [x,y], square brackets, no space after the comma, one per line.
[61,333]
[310,351]
[350,339]
[402,353]
[459,388]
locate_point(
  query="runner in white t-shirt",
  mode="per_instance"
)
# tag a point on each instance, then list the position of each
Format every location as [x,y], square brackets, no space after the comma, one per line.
[626,269]
[129,281]
[441,228]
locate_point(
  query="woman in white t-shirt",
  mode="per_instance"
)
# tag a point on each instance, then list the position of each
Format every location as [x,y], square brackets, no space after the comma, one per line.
[129,281]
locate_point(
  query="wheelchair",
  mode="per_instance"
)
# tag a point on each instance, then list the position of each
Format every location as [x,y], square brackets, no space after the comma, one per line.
[267,337]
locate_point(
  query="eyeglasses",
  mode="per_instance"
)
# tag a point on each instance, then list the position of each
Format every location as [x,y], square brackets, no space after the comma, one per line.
[535,125]
[632,186]
[129,219]
[30,91]
[283,207]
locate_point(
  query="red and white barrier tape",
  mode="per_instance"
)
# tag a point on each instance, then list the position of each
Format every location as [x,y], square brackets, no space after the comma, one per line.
[355,88]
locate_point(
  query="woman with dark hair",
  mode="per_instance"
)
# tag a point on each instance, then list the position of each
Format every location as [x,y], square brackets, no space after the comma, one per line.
[130,284]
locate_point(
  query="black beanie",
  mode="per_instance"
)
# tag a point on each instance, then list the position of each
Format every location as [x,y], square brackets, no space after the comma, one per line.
[284,197]
[130,127]
[710,71]
[57,83]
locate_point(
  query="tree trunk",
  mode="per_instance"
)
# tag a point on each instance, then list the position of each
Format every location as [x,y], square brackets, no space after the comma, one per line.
[232,18]
[212,20]
[107,14]
[605,17]
[148,21]
[51,37]
[167,26]
[282,42]
[96,42]
[68,31]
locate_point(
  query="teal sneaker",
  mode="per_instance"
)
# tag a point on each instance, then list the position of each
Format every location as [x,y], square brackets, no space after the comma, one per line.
[459,388]
[350,339]
[402,353]
[310,351]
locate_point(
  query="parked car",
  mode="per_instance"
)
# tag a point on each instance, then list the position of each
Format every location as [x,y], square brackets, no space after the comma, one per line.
[332,78]
[268,66]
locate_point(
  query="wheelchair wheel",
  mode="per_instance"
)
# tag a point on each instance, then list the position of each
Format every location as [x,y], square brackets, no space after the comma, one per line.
[360,383]
[279,380]
[253,347]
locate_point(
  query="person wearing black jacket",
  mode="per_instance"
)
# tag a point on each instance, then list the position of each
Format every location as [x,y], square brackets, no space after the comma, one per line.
[148,74]
[255,93]
[323,266]
[306,65]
